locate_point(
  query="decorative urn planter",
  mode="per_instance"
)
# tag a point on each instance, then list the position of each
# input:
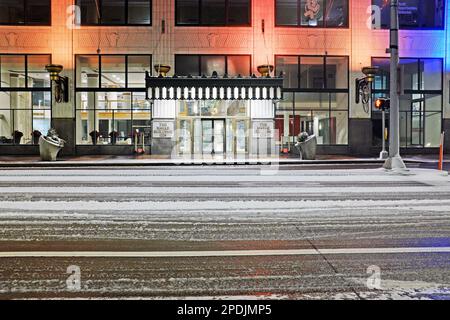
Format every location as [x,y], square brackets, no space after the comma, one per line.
[265,70]
[50,145]
[162,69]
[306,147]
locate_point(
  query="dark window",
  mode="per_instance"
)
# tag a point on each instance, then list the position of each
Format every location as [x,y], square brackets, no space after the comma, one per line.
[312,13]
[115,12]
[188,12]
[89,11]
[25,12]
[313,72]
[413,14]
[139,12]
[197,65]
[238,12]
[213,12]
[287,12]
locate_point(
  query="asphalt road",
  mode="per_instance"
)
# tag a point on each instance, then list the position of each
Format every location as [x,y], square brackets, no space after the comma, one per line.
[224,232]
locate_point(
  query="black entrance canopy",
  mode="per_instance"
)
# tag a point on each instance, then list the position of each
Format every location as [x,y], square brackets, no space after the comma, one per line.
[213,88]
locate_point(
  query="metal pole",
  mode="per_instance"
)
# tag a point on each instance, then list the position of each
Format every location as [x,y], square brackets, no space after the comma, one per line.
[394,162]
[384,154]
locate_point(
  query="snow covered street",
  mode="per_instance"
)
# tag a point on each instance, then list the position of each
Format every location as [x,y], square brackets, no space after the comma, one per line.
[207,231]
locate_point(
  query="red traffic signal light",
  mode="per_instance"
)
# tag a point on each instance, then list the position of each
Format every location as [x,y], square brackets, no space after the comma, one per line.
[382,104]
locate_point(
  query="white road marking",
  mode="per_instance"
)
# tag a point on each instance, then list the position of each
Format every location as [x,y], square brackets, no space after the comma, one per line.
[229,253]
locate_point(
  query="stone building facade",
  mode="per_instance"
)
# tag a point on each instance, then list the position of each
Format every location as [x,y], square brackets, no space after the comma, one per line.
[343,126]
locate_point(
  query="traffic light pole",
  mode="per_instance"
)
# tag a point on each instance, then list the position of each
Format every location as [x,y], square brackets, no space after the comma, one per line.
[383,154]
[394,162]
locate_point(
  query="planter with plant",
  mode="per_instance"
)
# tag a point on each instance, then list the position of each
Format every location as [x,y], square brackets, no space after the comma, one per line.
[113,135]
[36,135]
[94,136]
[17,136]
[306,146]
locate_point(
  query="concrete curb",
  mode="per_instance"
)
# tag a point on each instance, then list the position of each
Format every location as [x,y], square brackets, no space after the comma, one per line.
[168,163]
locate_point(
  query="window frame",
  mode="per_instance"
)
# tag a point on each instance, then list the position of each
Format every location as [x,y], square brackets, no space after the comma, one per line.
[30,90]
[375,114]
[25,16]
[299,25]
[99,56]
[325,90]
[226,24]
[199,56]
[99,89]
[125,24]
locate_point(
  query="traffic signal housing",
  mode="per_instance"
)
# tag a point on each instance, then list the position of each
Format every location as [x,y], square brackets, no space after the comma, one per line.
[382,104]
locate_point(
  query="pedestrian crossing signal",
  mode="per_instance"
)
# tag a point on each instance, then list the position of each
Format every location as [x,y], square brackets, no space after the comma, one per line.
[382,104]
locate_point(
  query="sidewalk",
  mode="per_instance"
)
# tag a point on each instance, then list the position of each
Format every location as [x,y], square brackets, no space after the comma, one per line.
[151,160]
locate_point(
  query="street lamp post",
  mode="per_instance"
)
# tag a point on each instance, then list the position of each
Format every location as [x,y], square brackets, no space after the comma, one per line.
[394,162]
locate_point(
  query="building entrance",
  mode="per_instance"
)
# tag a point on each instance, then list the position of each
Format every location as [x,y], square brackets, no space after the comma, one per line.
[213,136]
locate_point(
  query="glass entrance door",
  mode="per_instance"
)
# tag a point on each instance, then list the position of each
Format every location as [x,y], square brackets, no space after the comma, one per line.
[213,136]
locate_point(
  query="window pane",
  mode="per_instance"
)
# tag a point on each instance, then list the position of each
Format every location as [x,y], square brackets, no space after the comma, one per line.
[187,65]
[382,78]
[289,67]
[89,12]
[6,118]
[337,72]
[311,13]
[113,11]
[38,77]
[433,102]
[339,127]
[431,74]
[322,128]
[214,12]
[12,12]
[238,12]
[187,12]
[312,73]
[312,101]
[13,71]
[38,11]
[286,12]
[410,73]
[209,64]
[432,135]
[238,65]
[21,117]
[339,101]
[137,65]
[41,121]
[87,71]
[337,13]
[113,71]
[139,11]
